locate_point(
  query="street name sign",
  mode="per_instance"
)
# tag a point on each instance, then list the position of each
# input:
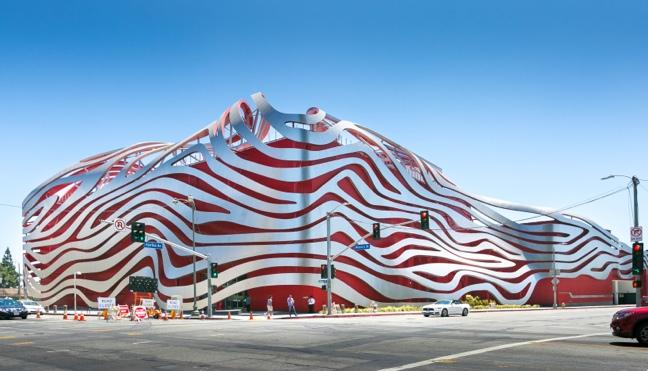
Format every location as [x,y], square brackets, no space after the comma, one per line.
[636,234]
[105,303]
[153,244]
[362,246]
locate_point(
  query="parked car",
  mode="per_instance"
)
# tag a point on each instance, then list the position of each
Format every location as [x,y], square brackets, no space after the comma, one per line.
[32,306]
[10,308]
[631,323]
[446,308]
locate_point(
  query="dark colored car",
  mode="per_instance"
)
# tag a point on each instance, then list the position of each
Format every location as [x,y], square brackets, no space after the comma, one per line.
[631,323]
[10,308]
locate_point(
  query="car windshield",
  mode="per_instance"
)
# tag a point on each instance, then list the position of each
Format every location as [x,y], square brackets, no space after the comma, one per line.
[443,302]
[7,302]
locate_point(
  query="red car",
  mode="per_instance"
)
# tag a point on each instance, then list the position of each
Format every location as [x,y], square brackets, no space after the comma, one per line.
[631,323]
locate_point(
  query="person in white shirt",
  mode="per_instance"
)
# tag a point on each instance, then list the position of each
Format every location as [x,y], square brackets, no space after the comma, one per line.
[269,306]
[311,304]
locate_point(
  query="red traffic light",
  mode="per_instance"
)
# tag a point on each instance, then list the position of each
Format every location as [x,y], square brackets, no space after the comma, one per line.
[636,247]
[636,284]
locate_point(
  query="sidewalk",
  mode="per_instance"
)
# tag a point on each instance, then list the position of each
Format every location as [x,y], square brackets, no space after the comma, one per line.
[284,315]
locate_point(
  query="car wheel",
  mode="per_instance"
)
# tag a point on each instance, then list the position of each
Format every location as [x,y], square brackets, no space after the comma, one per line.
[24,316]
[444,313]
[642,334]
[465,312]
[426,315]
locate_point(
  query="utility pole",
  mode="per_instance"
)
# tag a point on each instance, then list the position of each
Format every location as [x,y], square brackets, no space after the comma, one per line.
[635,183]
[636,277]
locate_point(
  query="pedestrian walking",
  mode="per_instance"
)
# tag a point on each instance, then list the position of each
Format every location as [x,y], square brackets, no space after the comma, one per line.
[246,303]
[269,307]
[311,304]
[291,306]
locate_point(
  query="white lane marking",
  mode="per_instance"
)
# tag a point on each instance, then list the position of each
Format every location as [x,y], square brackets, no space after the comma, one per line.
[142,342]
[486,350]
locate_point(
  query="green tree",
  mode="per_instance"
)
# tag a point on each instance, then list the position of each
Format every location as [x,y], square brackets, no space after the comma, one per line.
[8,271]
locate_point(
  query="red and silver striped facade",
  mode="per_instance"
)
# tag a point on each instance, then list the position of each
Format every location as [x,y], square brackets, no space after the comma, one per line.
[263,182]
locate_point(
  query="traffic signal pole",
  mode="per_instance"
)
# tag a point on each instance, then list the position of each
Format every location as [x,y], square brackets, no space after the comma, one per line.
[194,254]
[635,183]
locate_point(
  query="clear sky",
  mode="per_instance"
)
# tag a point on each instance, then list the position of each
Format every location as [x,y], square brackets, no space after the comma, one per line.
[527,101]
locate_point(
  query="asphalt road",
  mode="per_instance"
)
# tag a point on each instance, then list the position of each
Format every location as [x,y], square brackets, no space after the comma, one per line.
[565,339]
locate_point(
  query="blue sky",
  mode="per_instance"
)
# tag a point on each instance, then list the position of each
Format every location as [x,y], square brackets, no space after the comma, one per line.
[531,102]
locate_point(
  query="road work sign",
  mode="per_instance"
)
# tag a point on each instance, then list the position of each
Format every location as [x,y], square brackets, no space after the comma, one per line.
[140,312]
[105,303]
[148,303]
[173,304]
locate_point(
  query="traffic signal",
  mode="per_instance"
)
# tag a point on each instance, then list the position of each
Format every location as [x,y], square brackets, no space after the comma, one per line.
[323,271]
[137,232]
[637,258]
[376,231]
[214,270]
[636,284]
[425,219]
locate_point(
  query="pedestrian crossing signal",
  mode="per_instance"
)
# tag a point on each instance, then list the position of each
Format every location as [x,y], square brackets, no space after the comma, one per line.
[376,231]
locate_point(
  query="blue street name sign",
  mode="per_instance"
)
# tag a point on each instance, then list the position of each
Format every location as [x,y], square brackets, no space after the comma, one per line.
[153,244]
[362,246]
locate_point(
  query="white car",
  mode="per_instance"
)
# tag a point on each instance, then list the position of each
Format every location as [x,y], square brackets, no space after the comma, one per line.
[32,306]
[445,308]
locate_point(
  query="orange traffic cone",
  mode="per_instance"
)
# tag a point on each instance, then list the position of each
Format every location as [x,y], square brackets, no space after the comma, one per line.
[105,314]
[81,317]
[229,315]
[65,316]
[76,316]
[164,316]
[251,316]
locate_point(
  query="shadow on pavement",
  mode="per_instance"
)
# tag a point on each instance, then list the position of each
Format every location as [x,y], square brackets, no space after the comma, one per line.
[627,344]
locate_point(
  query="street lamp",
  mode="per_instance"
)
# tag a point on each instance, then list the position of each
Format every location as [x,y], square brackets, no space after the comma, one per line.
[635,183]
[190,201]
[329,294]
[75,291]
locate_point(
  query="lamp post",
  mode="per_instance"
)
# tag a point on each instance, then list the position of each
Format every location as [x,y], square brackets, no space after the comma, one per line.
[75,291]
[329,294]
[635,183]
[190,201]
